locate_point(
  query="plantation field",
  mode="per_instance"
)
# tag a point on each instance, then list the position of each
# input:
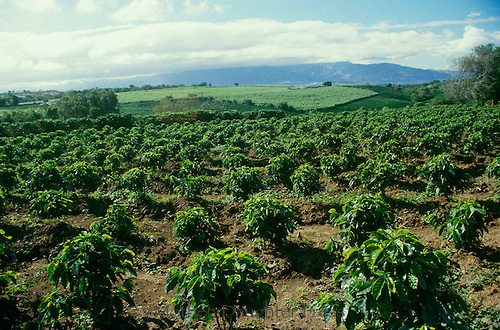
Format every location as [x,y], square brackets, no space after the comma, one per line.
[389,217]
[299,98]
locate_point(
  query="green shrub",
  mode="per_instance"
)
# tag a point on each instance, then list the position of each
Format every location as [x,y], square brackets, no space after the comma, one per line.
[232,161]
[439,172]
[331,165]
[51,203]
[305,180]
[360,216]
[3,202]
[6,255]
[189,186]
[268,218]
[8,177]
[433,143]
[45,176]
[134,179]
[89,267]
[243,182]
[493,169]
[392,281]
[217,280]
[113,162]
[378,174]
[194,227]
[475,143]
[6,249]
[81,176]
[280,168]
[189,167]
[464,224]
[118,222]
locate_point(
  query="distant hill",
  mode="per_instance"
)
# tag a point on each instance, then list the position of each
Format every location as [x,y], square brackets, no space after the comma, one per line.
[305,74]
[302,74]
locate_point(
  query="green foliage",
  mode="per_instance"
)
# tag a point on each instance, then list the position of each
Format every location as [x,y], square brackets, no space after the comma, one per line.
[331,165]
[189,167]
[3,202]
[134,179]
[118,222]
[90,103]
[269,219]
[243,181]
[89,267]
[305,180]
[378,174]
[45,176]
[479,76]
[439,172]
[190,186]
[6,255]
[216,280]
[475,143]
[360,216]
[392,281]
[51,203]
[6,249]
[194,227]
[280,168]
[493,168]
[8,177]
[464,224]
[82,176]
[433,143]
[233,161]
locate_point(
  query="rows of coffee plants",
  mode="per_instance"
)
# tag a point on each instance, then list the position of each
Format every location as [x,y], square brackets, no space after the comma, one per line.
[384,277]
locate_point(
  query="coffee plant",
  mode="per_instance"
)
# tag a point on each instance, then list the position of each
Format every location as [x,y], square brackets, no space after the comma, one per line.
[378,174]
[269,219]
[493,168]
[331,165]
[81,176]
[45,176]
[134,179]
[464,225]
[243,181]
[280,168]
[97,277]
[305,180]
[6,255]
[439,172]
[216,283]
[360,216]
[392,281]
[118,223]
[195,228]
[51,203]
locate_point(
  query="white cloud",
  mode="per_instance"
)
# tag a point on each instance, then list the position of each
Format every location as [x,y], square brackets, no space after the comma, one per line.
[170,46]
[143,11]
[200,7]
[434,24]
[474,14]
[87,7]
[37,6]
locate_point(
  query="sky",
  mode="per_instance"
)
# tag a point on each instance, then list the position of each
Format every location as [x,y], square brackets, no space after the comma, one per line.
[52,44]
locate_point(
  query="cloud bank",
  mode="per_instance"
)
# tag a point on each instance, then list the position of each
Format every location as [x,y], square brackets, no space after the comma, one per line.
[37,60]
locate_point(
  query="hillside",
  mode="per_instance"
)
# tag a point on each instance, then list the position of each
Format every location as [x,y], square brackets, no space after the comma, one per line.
[338,73]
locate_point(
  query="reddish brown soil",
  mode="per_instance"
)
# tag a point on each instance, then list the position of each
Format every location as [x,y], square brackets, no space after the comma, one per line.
[298,272]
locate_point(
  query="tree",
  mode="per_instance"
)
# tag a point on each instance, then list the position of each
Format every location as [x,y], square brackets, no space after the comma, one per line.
[478,76]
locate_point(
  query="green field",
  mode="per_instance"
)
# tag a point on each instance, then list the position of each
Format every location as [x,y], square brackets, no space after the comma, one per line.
[299,98]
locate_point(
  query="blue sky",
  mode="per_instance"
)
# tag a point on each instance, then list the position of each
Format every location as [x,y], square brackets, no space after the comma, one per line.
[52,43]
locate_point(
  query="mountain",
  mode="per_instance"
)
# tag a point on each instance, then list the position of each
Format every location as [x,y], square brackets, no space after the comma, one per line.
[305,74]
[302,74]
